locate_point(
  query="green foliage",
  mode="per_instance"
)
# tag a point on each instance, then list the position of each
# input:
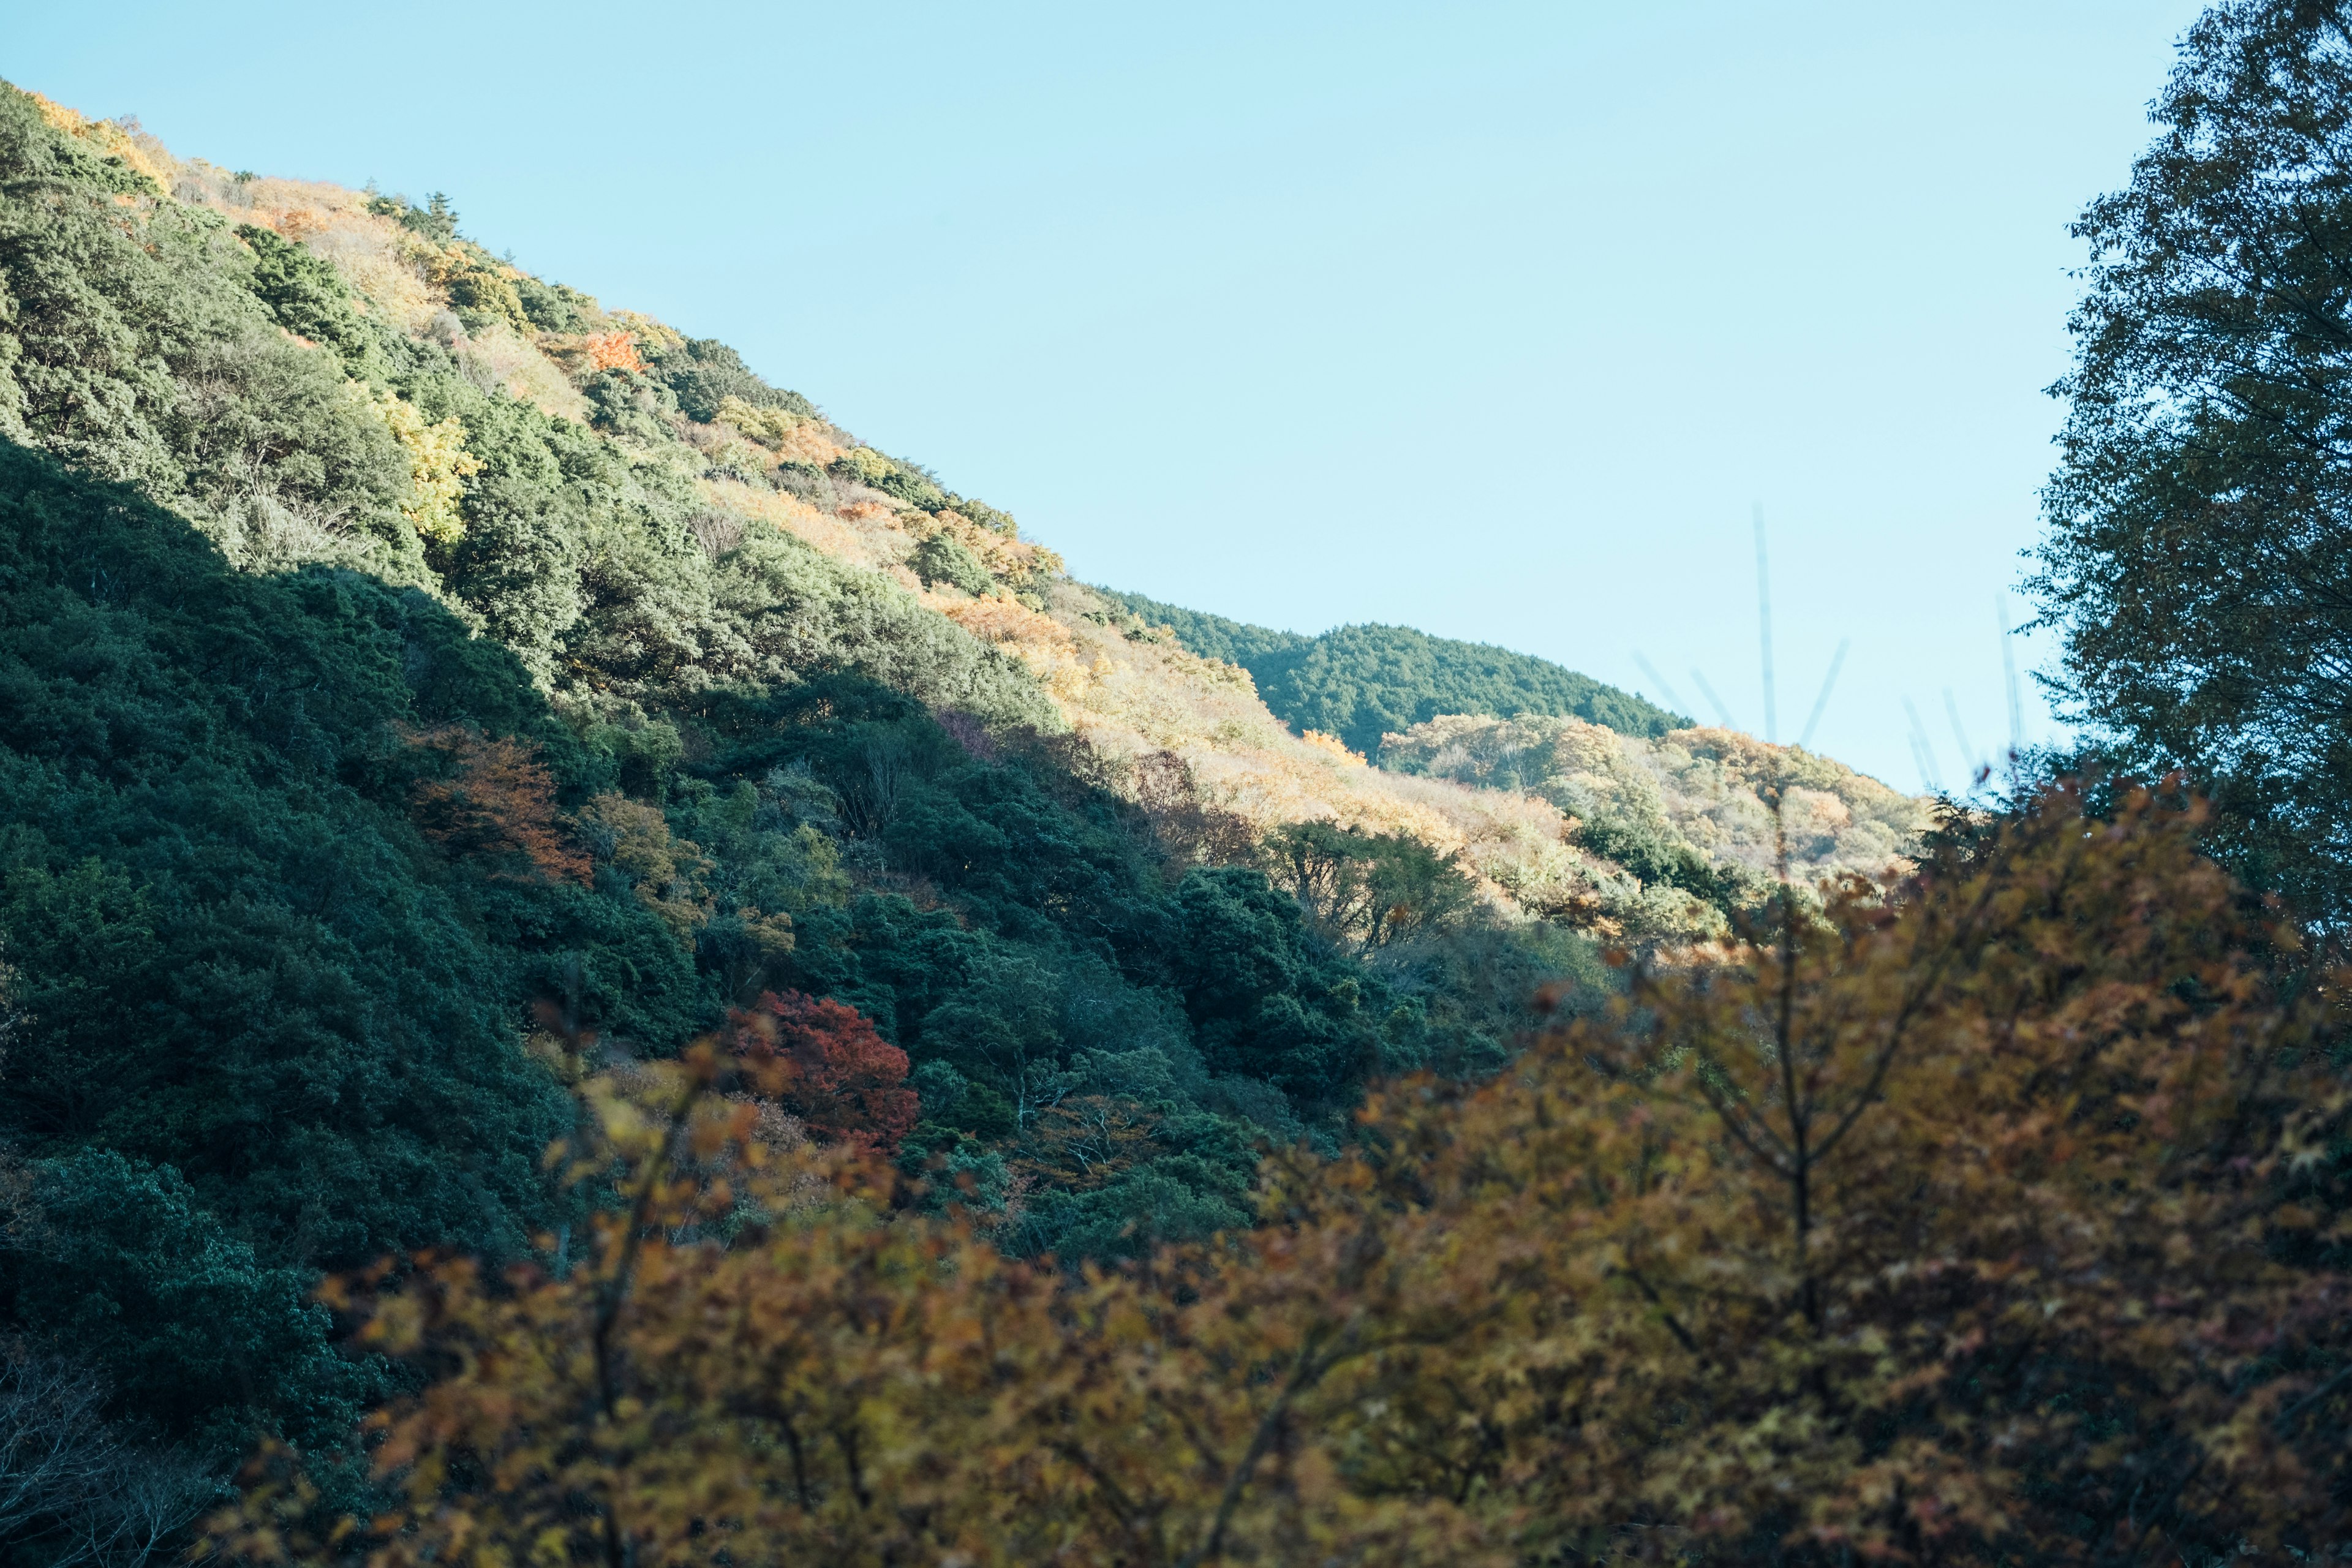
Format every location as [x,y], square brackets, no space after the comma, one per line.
[1211,636]
[1017,939]
[912,485]
[625,403]
[987,516]
[943,558]
[1688,819]
[1658,855]
[306,821]
[479,290]
[1474,992]
[1366,889]
[2196,559]
[552,307]
[234,954]
[45,163]
[135,350]
[1360,683]
[115,1263]
[703,373]
[436,220]
[306,294]
[1268,1002]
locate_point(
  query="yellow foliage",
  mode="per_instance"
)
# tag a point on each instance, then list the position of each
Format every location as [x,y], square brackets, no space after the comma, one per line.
[1707,785]
[1136,697]
[792,515]
[1008,621]
[471,283]
[807,443]
[438,467]
[768,427]
[1335,747]
[867,466]
[658,336]
[666,872]
[110,141]
[377,258]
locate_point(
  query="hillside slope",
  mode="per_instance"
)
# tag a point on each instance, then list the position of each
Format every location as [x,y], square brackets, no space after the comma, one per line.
[418,677]
[1361,682]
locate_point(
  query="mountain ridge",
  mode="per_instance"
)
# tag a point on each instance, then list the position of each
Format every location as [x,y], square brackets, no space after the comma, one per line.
[1364,680]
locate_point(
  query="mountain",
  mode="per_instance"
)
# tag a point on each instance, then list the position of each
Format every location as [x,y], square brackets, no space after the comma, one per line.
[421,683]
[1362,682]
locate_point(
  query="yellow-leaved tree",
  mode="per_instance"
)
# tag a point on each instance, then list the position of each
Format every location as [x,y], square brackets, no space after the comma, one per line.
[438,467]
[1991,1223]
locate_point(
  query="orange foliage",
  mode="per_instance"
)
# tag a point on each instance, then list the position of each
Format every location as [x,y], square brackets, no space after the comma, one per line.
[1085,1141]
[1992,1226]
[612,351]
[496,802]
[1332,746]
[1009,621]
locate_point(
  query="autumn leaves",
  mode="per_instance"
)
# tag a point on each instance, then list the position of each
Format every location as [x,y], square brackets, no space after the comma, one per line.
[1994,1221]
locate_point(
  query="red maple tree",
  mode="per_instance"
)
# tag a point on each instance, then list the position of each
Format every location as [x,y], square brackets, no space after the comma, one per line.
[842,1079]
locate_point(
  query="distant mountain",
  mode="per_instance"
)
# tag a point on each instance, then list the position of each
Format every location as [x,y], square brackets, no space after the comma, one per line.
[1360,682]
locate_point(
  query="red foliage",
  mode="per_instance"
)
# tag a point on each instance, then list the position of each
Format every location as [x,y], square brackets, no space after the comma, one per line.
[842,1079]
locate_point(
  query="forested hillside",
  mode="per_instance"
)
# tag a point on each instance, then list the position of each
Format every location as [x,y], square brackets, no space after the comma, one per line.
[595,971]
[1360,683]
[424,690]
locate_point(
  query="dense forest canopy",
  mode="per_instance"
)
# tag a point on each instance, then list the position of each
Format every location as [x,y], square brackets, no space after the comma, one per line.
[1992,1228]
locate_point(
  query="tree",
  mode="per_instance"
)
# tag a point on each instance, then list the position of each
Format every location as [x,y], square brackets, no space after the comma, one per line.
[2200,555]
[75,1488]
[844,1080]
[233,954]
[613,351]
[305,293]
[1370,889]
[498,802]
[942,558]
[1991,1226]
[1362,682]
[1266,999]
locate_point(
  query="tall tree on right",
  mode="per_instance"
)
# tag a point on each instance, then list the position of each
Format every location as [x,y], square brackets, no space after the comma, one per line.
[2199,557]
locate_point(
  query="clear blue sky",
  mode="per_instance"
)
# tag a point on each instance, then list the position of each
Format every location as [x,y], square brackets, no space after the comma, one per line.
[1493,320]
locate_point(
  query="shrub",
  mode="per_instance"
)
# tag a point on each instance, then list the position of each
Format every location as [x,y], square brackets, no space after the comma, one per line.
[943,559]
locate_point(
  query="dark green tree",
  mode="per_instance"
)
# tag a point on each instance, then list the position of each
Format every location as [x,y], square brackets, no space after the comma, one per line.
[2199,559]
[113,1262]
